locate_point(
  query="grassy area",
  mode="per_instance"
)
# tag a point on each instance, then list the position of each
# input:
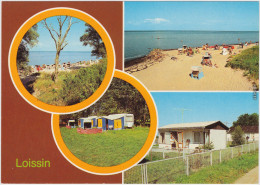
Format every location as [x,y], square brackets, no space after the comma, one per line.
[224,173]
[161,172]
[247,60]
[109,148]
[155,156]
[48,91]
[70,87]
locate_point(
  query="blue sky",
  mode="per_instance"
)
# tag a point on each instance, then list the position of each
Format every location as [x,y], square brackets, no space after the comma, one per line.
[225,106]
[46,43]
[220,16]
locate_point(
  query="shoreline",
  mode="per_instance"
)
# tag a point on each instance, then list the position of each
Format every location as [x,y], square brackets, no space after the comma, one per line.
[128,61]
[65,66]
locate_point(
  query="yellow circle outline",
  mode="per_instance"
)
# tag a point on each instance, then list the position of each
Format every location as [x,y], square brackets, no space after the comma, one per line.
[50,13]
[126,165]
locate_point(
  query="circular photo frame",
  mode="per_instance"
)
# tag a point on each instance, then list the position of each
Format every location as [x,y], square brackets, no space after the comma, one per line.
[61,12]
[123,166]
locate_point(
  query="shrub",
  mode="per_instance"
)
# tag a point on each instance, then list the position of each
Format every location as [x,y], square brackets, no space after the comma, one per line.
[247,60]
[70,87]
[78,87]
[208,146]
[238,136]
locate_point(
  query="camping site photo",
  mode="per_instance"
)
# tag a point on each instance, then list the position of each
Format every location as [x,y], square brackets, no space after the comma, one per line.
[111,131]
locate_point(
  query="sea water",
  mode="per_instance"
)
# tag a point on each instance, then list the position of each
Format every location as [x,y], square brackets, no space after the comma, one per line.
[48,57]
[140,43]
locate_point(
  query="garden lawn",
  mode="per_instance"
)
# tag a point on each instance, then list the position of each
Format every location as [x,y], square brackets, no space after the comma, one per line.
[225,173]
[109,148]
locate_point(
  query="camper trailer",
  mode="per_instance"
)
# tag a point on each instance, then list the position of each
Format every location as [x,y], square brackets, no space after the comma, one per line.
[128,119]
[115,121]
[72,123]
[85,123]
[111,122]
[88,122]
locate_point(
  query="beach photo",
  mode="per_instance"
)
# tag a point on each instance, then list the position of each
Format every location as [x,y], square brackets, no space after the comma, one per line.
[202,137]
[61,60]
[196,46]
[111,131]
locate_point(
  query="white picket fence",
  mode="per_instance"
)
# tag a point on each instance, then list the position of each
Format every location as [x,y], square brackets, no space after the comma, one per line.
[167,170]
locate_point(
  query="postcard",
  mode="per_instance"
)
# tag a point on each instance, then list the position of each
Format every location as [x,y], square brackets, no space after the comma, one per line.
[130,92]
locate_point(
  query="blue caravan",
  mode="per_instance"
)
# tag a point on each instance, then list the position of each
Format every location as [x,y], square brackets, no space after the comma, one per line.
[93,120]
[127,120]
[85,123]
[111,122]
[88,122]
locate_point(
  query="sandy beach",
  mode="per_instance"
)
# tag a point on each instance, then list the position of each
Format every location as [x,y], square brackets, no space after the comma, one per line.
[174,74]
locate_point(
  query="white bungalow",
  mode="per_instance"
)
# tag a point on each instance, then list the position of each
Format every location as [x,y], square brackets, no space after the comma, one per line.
[193,135]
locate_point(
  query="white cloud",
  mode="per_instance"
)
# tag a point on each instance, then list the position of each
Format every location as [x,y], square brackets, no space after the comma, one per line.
[156,20]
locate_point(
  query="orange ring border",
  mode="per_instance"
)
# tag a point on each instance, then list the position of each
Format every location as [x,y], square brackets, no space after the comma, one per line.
[126,165]
[37,18]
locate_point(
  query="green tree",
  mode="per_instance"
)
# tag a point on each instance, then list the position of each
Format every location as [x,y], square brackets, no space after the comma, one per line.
[247,120]
[30,39]
[121,97]
[93,39]
[238,136]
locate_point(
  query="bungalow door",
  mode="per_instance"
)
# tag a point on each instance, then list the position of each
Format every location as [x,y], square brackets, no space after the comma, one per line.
[106,124]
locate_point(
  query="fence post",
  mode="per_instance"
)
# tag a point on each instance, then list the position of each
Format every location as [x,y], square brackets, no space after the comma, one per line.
[146,174]
[142,172]
[219,156]
[254,146]
[210,158]
[232,154]
[163,155]
[187,166]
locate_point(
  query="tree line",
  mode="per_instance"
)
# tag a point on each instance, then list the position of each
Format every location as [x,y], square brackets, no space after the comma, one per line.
[121,97]
[238,137]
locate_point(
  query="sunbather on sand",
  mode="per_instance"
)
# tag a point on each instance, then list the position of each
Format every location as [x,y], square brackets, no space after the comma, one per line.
[207,46]
[230,50]
[197,50]
[190,52]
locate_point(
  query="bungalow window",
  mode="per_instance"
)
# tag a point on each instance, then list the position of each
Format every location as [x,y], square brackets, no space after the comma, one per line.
[163,138]
[196,137]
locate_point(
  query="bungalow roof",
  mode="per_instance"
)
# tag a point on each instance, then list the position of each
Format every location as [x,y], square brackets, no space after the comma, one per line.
[193,125]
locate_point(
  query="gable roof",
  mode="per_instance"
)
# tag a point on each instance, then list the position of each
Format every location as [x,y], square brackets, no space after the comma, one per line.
[246,129]
[113,117]
[193,125]
[87,119]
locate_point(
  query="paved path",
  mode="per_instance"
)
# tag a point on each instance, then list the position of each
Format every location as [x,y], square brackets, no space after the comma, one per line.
[249,178]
